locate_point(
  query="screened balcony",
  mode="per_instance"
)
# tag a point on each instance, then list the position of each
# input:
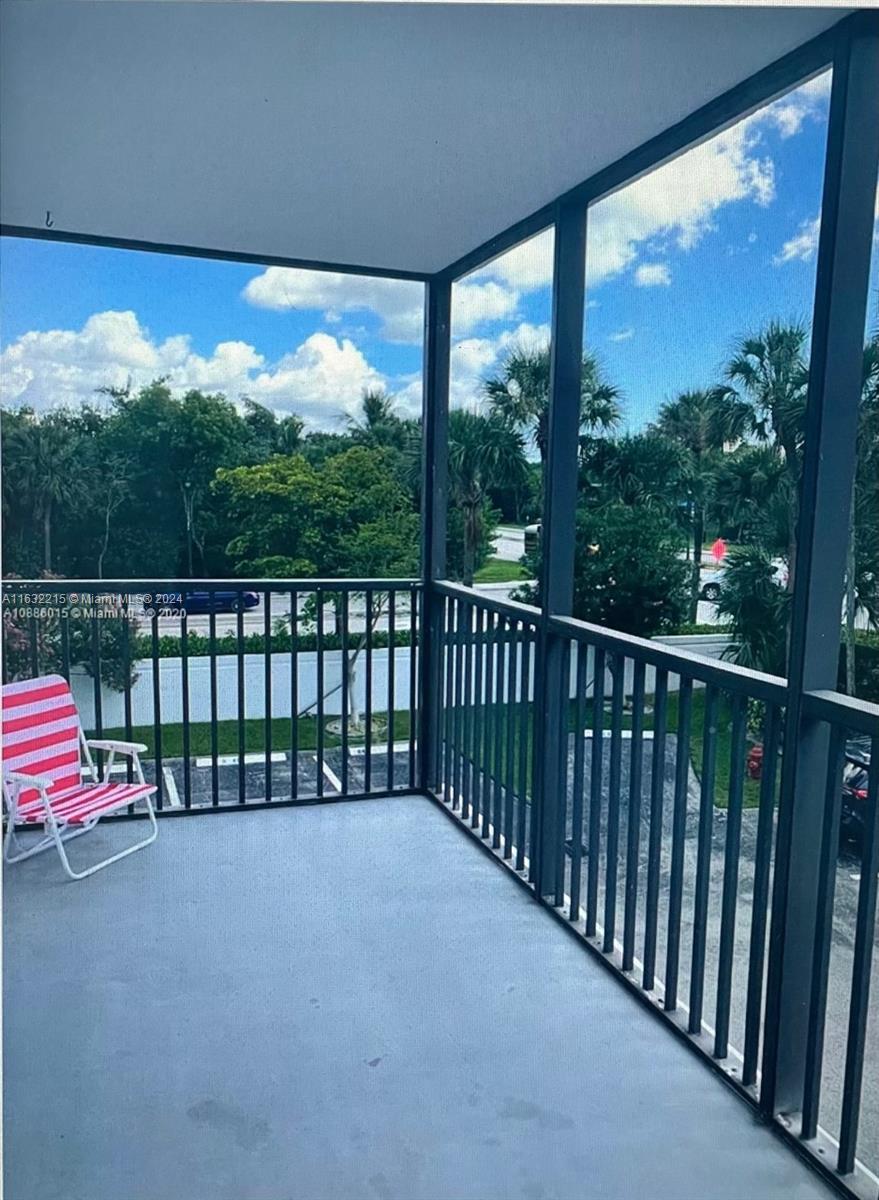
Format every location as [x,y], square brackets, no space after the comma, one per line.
[531,924]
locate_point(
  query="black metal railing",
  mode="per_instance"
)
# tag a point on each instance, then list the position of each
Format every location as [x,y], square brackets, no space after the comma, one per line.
[246,692]
[659,846]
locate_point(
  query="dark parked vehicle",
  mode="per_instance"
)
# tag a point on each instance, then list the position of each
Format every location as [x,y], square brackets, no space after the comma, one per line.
[219,602]
[855,786]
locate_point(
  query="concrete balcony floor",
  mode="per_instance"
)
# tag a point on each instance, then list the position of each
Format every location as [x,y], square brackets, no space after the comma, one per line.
[343,1001]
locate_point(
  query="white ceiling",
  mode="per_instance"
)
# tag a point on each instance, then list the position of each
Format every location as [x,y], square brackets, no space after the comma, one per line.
[386,135]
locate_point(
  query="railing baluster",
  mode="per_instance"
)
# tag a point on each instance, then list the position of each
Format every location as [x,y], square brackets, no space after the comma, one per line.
[654,840]
[760,903]
[497,766]
[212,652]
[524,756]
[561,799]
[241,700]
[823,933]
[367,706]
[267,692]
[392,667]
[157,712]
[458,723]
[184,685]
[34,644]
[679,824]
[732,846]
[595,799]
[294,695]
[487,756]
[126,667]
[64,624]
[319,739]
[478,720]
[618,670]
[469,703]
[448,663]
[633,846]
[97,689]
[578,780]
[414,597]
[346,699]
[862,961]
[703,858]
[513,670]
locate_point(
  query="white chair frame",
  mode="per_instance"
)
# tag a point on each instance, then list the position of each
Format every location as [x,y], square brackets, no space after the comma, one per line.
[57,831]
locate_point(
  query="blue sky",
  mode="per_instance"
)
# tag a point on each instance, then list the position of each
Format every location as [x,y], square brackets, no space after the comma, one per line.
[678,265]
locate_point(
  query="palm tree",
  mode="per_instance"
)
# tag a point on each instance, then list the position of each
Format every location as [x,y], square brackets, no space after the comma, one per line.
[770,373]
[701,422]
[862,558]
[44,459]
[485,452]
[379,424]
[520,394]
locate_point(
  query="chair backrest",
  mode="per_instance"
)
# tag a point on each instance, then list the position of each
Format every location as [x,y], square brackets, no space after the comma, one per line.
[41,734]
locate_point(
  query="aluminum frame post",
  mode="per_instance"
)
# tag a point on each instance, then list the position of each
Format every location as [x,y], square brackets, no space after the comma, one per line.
[434,510]
[834,390]
[558,526]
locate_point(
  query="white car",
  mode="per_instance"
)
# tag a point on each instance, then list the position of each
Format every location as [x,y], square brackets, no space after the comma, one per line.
[712,587]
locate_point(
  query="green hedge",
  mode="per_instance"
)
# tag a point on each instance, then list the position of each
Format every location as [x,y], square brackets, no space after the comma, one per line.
[198,645]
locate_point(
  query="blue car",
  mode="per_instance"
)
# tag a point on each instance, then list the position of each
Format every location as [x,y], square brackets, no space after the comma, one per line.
[221,601]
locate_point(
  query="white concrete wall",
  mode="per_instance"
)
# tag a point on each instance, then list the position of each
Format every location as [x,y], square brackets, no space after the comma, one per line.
[171,693]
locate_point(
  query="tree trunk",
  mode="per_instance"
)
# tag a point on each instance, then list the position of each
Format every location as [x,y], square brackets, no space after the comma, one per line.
[696,575]
[47,535]
[105,543]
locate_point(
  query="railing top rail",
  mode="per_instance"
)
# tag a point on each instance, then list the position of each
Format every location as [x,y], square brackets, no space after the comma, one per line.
[727,675]
[839,709]
[507,608]
[134,586]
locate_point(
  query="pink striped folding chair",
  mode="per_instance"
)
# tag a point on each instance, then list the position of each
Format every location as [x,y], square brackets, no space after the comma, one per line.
[44,749]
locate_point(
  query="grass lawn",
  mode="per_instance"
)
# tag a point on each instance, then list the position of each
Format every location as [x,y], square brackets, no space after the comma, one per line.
[254,736]
[501,570]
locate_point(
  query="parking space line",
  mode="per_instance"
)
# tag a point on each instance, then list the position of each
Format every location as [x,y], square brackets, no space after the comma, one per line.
[171,788]
[330,775]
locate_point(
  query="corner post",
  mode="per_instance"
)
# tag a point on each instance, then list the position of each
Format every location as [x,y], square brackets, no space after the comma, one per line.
[834,391]
[557,558]
[434,508]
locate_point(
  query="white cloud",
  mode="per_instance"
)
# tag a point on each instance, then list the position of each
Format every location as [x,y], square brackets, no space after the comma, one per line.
[473,303]
[398,302]
[653,275]
[677,204]
[322,378]
[789,113]
[622,335]
[472,359]
[803,246]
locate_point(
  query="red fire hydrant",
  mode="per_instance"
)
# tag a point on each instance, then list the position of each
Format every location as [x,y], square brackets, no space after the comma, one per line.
[755,762]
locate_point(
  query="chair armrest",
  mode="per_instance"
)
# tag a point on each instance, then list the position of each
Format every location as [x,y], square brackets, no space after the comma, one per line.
[41,782]
[118,747]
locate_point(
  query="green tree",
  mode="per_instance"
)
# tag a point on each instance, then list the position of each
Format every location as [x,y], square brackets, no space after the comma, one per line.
[44,469]
[485,452]
[701,422]
[757,607]
[769,373]
[333,520]
[628,574]
[520,394]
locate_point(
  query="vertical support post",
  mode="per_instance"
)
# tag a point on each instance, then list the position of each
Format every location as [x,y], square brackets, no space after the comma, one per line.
[434,508]
[828,470]
[558,522]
